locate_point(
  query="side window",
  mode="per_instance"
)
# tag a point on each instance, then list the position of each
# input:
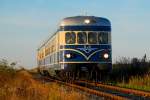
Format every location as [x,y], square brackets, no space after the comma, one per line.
[92,37]
[70,38]
[82,38]
[103,38]
[109,37]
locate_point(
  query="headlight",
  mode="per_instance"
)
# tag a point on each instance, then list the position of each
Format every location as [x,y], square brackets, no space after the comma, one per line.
[68,55]
[87,21]
[106,55]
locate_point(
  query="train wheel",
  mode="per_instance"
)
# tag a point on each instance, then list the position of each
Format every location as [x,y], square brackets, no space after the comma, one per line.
[78,75]
[45,73]
[94,76]
[62,75]
[74,76]
[40,73]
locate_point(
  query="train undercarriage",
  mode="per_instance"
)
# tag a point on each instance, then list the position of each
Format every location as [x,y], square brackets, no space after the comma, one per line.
[81,71]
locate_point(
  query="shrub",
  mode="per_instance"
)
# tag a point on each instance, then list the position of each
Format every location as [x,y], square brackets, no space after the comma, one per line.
[126,68]
[5,67]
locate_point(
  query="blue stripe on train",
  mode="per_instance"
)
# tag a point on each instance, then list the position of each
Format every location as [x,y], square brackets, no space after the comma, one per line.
[107,46]
[87,50]
[77,57]
[84,28]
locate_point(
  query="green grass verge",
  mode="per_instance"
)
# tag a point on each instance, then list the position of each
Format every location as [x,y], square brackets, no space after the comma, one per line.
[138,83]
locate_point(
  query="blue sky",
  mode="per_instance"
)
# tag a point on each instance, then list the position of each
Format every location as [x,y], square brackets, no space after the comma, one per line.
[24,24]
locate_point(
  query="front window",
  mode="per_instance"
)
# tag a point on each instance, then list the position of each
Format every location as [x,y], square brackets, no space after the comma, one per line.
[70,38]
[92,38]
[82,38]
[103,37]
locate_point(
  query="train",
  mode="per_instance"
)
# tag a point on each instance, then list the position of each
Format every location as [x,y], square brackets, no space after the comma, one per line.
[80,48]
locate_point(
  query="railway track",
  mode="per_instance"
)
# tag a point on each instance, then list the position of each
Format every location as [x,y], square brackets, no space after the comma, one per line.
[117,91]
[106,91]
[102,90]
[96,92]
[125,90]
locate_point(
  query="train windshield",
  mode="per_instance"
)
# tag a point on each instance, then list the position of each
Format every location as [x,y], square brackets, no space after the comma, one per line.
[103,37]
[92,38]
[70,38]
[82,37]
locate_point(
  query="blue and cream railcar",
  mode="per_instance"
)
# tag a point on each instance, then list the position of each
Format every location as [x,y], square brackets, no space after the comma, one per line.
[81,44]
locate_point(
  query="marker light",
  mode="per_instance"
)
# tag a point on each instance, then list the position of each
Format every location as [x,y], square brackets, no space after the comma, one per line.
[87,21]
[62,24]
[68,55]
[106,55]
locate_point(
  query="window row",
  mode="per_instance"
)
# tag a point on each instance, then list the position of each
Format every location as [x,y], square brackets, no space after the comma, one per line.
[49,60]
[41,55]
[87,37]
[50,49]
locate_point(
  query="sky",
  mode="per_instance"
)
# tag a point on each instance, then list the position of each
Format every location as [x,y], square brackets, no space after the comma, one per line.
[24,24]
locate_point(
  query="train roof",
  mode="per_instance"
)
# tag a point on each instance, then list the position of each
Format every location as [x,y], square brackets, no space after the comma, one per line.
[85,20]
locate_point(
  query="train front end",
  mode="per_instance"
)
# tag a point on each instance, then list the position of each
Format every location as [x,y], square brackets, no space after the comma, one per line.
[85,45]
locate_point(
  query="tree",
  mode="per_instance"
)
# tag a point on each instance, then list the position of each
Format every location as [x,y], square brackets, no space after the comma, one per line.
[144,59]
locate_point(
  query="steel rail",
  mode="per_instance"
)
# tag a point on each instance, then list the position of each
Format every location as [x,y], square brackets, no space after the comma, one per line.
[95,92]
[88,90]
[120,89]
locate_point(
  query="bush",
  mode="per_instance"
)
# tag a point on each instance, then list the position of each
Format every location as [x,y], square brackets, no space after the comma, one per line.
[126,68]
[5,67]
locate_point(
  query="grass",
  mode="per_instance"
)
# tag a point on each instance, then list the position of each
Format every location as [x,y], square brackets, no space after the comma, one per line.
[137,82]
[20,85]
